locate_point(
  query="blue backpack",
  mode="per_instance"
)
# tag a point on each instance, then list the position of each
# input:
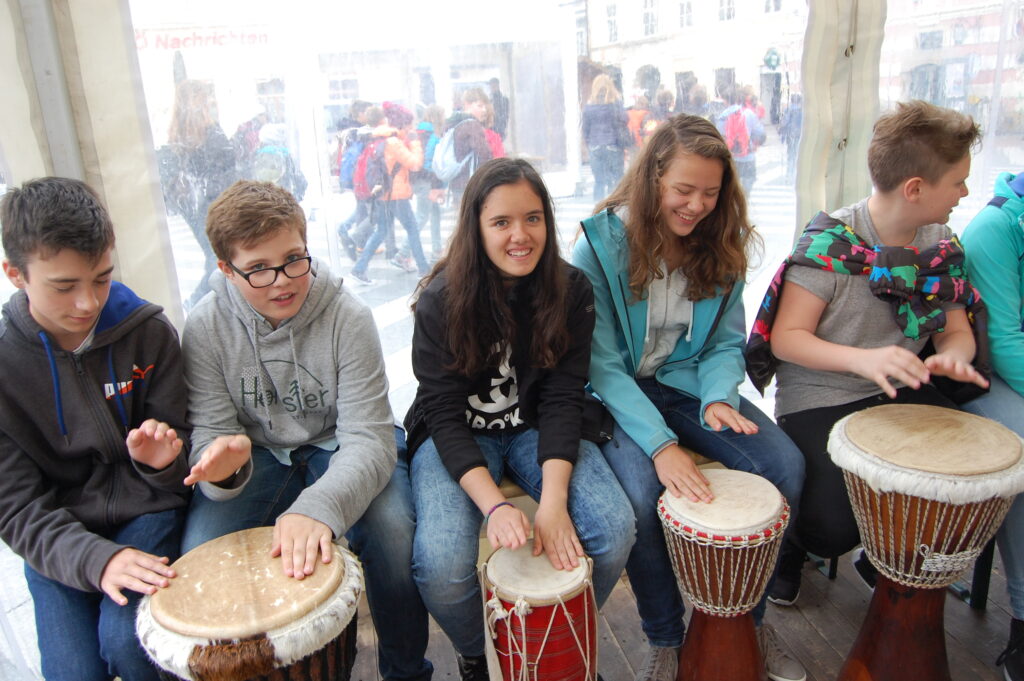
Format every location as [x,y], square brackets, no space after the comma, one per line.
[352,147]
[444,163]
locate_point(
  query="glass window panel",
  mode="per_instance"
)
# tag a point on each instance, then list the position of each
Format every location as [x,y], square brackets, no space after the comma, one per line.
[965,55]
[283,86]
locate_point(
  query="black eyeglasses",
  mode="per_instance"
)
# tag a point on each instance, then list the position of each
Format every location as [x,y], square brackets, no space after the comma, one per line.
[262,278]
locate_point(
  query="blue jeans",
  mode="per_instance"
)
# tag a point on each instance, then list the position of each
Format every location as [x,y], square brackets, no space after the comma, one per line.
[382,539]
[448,527]
[1006,406]
[85,636]
[428,210]
[769,454]
[387,212]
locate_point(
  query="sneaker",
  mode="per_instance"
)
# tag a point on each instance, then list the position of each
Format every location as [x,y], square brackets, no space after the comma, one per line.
[1012,659]
[867,571]
[403,263]
[785,589]
[361,278]
[780,665]
[473,668]
[348,245]
[660,664]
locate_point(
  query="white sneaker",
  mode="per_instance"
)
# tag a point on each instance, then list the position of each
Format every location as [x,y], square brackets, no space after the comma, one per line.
[660,664]
[780,665]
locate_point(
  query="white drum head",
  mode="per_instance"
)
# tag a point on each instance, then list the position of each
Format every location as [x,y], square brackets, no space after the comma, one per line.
[231,588]
[930,452]
[934,439]
[518,572]
[744,504]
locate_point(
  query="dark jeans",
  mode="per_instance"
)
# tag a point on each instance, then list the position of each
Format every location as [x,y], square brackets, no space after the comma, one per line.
[825,524]
[606,162]
[85,636]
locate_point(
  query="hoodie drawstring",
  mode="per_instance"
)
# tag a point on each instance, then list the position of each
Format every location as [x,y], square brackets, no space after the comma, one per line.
[56,386]
[295,369]
[117,393]
[259,373]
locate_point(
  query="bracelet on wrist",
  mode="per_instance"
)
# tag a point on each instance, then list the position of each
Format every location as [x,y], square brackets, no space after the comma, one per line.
[496,507]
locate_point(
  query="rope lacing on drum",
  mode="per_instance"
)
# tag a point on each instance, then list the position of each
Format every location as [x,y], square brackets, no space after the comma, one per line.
[497,611]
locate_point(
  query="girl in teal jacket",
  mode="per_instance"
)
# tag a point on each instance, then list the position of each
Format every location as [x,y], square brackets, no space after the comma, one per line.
[667,255]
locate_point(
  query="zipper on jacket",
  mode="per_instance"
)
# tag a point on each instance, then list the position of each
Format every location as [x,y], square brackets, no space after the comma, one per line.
[111,438]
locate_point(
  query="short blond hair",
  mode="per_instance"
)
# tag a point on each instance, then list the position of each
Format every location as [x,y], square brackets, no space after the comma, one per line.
[249,212]
[918,139]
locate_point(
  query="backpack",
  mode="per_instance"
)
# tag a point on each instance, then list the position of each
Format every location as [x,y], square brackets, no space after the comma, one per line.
[444,164]
[371,170]
[350,147]
[736,136]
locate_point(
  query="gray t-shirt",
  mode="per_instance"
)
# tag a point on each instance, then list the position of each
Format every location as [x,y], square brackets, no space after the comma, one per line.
[852,316]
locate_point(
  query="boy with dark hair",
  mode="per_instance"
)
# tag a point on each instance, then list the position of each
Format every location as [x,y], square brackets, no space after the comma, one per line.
[841,344]
[292,426]
[93,441]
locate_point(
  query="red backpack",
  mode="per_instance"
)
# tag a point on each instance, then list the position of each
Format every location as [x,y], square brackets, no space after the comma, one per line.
[736,136]
[371,170]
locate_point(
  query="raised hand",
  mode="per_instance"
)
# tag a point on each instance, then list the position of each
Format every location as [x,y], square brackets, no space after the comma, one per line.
[153,443]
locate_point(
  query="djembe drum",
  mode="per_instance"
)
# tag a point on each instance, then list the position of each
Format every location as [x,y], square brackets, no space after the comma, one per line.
[231,614]
[723,554]
[541,622]
[929,488]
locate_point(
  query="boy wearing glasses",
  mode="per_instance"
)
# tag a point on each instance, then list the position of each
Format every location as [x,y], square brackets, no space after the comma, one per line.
[291,422]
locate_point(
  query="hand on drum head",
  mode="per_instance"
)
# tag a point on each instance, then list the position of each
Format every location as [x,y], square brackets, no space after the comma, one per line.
[892,361]
[945,364]
[153,443]
[680,475]
[554,534]
[507,527]
[221,459]
[298,539]
[136,570]
[720,415]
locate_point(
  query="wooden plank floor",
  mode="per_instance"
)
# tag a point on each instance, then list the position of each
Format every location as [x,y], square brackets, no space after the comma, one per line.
[818,630]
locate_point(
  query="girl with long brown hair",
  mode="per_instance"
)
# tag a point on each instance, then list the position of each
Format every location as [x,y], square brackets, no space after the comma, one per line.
[667,254]
[501,348]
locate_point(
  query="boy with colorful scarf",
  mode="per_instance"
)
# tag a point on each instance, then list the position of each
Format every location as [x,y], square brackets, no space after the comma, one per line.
[847,316]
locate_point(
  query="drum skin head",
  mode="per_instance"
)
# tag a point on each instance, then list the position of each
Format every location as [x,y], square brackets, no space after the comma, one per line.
[934,439]
[209,599]
[744,503]
[517,572]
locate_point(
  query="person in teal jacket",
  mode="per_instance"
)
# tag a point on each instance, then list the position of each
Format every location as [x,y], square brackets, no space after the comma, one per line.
[667,254]
[994,243]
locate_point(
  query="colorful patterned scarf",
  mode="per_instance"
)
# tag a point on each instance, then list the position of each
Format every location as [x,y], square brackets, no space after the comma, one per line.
[916,283]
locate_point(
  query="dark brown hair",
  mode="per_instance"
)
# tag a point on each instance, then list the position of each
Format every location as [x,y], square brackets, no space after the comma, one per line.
[249,212]
[480,323]
[47,215]
[715,254]
[918,139]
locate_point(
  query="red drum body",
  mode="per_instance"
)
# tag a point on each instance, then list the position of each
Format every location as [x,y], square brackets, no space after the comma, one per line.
[232,615]
[723,554]
[541,622]
[929,488]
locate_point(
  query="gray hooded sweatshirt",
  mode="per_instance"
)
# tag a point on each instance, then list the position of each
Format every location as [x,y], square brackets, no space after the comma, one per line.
[318,377]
